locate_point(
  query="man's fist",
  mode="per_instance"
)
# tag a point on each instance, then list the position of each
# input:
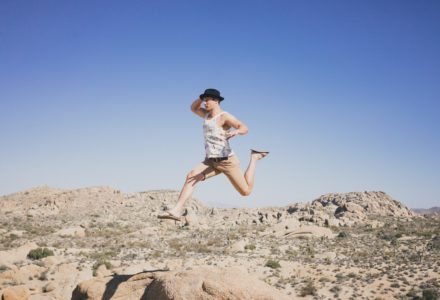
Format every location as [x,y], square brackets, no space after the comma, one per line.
[231,134]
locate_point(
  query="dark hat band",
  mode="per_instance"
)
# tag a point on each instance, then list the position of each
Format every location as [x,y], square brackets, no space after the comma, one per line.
[213,93]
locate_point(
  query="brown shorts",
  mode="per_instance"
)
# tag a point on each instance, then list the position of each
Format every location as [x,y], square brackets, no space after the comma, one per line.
[230,167]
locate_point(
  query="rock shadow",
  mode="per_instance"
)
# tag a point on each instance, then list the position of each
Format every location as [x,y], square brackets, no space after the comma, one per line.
[112,286]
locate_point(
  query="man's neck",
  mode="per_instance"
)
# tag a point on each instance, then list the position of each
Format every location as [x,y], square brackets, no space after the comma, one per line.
[215,111]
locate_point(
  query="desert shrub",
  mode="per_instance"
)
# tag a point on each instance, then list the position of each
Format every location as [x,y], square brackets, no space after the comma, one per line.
[39,253]
[101,256]
[250,247]
[39,230]
[156,254]
[175,244]
[309,250]
[335,289]
[429,294]
[386,235]
[106,263]
[343,234]
[434,244]
[412,294]
[200,248]
[232,236]
[3,268]
[13,236]
[291,254]
[273,264]
[308,289]
[341,277]
[274,250]
[43,276]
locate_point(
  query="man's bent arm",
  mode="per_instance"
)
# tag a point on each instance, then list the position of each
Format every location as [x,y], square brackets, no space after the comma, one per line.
[240,127]
[197,109]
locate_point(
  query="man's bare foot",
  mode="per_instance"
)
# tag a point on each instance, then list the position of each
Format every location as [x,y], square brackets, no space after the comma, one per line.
[170,214]
[258,154]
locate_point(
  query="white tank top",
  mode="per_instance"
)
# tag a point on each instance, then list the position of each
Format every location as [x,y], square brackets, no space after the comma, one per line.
[216,144]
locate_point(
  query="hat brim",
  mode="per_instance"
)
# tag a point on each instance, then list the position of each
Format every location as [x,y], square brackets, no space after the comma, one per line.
[213,96]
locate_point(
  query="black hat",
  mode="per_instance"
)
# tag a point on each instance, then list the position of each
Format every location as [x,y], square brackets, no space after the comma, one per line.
[213,93]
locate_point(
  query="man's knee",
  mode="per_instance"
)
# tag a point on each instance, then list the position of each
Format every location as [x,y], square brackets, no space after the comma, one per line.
[246,192]
[191,176]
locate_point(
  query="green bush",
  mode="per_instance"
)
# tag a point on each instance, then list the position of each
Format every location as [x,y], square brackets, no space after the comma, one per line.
[343,234]
[308,289]
[106,263]
[3,268]
[429,294]
[273,264]
[434,244]
[39,253]
[250,247]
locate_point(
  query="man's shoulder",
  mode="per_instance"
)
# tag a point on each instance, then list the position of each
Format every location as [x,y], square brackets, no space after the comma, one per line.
[227,115]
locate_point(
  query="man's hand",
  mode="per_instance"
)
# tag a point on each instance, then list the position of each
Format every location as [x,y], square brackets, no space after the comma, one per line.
[232,122]
[231,134]
[197,109]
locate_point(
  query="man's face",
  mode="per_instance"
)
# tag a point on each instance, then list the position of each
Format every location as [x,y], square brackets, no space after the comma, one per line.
[210,102]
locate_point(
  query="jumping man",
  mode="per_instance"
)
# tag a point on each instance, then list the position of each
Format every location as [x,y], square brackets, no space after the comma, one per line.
[219,156]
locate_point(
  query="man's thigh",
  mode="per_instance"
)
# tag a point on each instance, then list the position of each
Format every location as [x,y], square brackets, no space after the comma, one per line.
[205,168]
[231,168]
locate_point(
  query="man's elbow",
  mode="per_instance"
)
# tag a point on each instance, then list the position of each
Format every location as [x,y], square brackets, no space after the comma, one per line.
[244,130]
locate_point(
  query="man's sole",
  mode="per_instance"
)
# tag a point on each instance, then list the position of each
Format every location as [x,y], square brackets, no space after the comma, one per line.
[259,152]
[169,216]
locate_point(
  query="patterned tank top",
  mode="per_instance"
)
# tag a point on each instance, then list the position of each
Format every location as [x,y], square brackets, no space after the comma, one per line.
[216,144]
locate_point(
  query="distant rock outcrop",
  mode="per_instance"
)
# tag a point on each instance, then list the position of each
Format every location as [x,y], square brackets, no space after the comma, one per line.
[427,211]
[349,208]
[335,209]
[45,201]
[367,203]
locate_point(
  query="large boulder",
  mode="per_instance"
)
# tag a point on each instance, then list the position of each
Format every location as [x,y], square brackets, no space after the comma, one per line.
[9,257]
[116,287]
[203,283]
[22,274]
[16,293]
[285,227]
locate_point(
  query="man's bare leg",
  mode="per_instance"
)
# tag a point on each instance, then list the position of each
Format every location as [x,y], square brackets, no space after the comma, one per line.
[185,193]
[194,176]
[244,183]
[249,175]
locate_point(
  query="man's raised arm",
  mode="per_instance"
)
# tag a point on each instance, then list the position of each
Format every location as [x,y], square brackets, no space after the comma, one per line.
[197,109]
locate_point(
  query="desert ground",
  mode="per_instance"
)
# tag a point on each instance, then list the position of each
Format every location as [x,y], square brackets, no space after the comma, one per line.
[101,243]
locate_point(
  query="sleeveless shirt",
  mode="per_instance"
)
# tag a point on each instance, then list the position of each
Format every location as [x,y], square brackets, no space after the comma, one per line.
[216,144]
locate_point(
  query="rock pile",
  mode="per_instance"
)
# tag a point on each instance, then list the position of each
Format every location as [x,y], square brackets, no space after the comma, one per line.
[349,208]
[335,209]
[87,228]
[199,283]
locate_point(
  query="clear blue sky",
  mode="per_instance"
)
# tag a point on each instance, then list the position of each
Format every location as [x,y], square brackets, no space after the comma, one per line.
[345,94]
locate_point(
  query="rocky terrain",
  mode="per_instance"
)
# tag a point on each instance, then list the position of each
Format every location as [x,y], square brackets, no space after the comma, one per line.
[100,243]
